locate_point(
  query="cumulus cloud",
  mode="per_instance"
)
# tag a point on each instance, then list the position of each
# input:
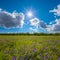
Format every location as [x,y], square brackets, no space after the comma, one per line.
[54,27]
[38,23]
[56,11]
[33,29]
[34,22]
[42,24]
[10,20]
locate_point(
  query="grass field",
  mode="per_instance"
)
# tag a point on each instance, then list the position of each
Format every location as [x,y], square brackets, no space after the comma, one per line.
[20,47]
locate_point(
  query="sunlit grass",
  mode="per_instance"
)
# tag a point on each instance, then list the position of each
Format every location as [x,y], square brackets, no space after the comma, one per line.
[19,47]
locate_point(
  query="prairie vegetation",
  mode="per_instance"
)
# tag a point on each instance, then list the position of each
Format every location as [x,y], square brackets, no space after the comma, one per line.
[29,47]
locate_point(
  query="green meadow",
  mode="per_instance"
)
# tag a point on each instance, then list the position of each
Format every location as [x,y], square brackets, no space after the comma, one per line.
[24,47]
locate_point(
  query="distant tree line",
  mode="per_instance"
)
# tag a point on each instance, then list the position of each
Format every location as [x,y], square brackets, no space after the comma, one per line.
[38,34]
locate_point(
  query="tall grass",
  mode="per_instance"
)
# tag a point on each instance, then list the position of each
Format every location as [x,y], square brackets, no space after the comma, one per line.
[24,47]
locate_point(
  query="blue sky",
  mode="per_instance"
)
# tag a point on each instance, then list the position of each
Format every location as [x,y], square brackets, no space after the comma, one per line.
[14,12]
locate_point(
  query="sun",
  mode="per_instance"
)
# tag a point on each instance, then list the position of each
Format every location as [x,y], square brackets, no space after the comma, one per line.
[29,14]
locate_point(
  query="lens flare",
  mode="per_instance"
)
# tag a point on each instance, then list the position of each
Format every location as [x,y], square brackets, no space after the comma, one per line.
[29,14]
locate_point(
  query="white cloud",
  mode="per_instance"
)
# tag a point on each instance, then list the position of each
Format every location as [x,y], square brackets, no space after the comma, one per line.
[33,29]
[56,11]
[37,23]
[54,27]
[10,20]
[34,22]
[57,21]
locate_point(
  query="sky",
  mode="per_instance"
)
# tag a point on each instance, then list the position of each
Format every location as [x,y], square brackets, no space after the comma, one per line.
[21,16]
